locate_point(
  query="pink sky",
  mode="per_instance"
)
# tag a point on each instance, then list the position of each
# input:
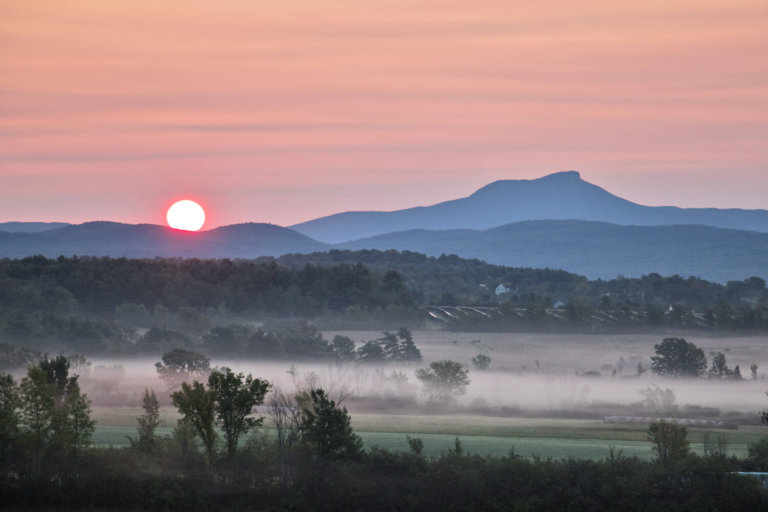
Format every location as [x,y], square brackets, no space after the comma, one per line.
[285,111]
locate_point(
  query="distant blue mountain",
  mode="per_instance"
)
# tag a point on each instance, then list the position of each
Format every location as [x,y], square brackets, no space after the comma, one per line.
[595,249]
[559,196]
[30,227]
[148,240]
[558,221]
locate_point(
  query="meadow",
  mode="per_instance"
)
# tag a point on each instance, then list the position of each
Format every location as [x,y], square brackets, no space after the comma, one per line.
[543,396]
[525,437]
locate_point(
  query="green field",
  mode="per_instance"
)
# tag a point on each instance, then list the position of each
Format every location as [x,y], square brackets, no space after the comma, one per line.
[555,438]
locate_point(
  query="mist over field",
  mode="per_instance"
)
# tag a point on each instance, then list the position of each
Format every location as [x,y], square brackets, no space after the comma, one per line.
[528,373]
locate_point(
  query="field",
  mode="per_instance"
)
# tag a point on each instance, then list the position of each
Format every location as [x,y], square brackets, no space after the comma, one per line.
[540,375]
[555,438]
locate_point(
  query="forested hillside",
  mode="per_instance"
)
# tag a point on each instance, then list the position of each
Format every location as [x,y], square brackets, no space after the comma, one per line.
[94,305]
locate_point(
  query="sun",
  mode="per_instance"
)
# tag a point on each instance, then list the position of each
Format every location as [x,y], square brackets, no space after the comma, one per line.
[186,215]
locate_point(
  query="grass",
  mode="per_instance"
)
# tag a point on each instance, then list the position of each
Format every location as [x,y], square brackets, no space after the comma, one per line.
[527,437]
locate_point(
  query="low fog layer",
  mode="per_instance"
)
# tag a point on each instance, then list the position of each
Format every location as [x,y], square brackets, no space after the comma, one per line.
[528,372]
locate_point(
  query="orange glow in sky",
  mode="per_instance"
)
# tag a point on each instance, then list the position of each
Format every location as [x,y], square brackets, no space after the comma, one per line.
[285,111]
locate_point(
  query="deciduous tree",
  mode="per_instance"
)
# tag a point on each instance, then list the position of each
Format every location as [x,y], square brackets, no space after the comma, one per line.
[197,406]
[670,442]
[236,395]
[444,379]
[181,365]
[677,357]
[227,403]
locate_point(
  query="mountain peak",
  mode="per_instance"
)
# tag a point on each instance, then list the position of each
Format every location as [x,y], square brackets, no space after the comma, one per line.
[557,196]
[570,175]
[557,178]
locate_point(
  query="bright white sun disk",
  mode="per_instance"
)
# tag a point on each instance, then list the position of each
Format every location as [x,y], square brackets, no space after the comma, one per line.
[186,215]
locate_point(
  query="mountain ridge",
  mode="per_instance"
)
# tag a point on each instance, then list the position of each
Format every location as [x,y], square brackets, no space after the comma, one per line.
[30,227]
[558,196]
[634,240]
[594,249]
[590,248]
[106,238]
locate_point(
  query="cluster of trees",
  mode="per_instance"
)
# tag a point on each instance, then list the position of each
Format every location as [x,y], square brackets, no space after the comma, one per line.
[676,357]
[227,403]
[442,380]
[304,341]
[296,340]
[214,403]
[44,417]
[393,347]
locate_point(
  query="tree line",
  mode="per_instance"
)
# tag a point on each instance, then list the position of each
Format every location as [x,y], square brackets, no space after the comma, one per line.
[105,305]
[450,280]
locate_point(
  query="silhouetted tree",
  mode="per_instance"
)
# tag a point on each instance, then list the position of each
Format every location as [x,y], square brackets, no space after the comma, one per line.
[10,401]
[390,345]
[370,352]
[54,411]
[197,406]
[670,442]
[180,365]
[407,350]
[677,357]
[227,403]
[481,361]
[148,422]
[444,379]
[343,348]
[236,395]
[326,429]
[719,368]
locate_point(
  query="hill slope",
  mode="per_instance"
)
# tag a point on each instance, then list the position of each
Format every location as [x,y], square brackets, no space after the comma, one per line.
[559,196]
[30,227]
[595,249]
[148,240]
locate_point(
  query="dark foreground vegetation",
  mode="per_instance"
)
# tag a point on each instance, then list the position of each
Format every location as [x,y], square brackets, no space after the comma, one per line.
[130,306]
[380,480]
[218,458]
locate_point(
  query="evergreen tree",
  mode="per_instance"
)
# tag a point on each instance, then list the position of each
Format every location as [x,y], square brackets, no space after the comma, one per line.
[407,351]
[326,429]
[10,402]
[148,422]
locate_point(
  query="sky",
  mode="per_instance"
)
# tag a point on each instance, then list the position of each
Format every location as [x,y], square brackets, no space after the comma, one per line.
[286,111]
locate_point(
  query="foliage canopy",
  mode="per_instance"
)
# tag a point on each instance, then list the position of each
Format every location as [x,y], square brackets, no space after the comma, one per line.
[676,357]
